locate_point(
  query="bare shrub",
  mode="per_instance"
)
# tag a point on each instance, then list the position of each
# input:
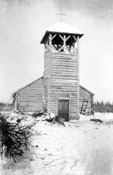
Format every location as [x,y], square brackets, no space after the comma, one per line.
[14,138]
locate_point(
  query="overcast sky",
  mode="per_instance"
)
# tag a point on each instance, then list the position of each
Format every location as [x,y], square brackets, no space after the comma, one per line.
[22,25]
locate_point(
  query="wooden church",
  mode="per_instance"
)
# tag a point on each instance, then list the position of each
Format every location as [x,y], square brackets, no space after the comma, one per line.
[58,91]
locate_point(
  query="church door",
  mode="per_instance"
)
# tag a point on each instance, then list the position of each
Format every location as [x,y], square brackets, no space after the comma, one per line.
[63,109]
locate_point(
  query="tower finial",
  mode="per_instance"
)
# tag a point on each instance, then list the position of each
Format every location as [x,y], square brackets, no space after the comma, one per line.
[61,14]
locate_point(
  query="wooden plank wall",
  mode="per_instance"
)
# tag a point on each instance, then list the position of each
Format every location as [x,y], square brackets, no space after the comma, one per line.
[64,80]
[46,79]
[85,95]
[30,98]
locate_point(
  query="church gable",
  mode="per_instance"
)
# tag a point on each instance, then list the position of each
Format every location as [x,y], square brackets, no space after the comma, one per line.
[29,98]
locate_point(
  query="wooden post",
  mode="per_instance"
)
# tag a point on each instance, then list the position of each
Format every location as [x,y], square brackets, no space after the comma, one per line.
[75,44]
[78,73]
[64,42]
[50,43]
[50,39]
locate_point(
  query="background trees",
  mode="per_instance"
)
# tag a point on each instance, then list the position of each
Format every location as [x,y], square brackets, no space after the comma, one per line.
[103,106]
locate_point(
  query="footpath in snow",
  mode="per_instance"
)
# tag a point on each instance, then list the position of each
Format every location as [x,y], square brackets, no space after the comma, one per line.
[80,148]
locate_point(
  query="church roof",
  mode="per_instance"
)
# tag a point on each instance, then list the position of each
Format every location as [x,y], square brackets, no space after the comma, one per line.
[61,27]
[41,78]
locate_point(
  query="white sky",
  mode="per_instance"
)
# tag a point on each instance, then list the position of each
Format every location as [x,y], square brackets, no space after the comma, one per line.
[22,25]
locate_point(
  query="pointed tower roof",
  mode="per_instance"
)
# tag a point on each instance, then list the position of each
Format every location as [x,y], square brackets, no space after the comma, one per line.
[61,27]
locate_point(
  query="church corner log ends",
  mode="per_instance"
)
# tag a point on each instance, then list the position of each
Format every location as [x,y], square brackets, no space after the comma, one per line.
[58,91]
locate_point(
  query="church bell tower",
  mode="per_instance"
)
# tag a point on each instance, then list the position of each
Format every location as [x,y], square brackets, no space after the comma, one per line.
[61,70]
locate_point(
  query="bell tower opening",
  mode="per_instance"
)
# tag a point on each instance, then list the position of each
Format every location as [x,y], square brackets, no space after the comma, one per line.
[62,43]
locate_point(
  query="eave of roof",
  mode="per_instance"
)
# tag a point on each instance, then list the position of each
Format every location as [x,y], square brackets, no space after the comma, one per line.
[16,92]
[87,90]
[61,27]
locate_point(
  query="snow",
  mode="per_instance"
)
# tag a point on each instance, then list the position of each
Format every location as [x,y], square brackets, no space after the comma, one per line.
[80,148]
[62,27]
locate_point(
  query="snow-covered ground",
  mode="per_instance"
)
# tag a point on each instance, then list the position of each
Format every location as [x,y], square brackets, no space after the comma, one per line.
[80,148]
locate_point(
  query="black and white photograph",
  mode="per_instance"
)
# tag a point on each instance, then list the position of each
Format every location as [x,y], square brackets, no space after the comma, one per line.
[56,87]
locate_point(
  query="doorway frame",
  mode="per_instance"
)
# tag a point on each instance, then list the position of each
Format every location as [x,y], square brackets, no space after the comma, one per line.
[64,98]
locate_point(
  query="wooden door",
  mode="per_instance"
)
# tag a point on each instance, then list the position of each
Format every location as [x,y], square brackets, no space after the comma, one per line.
[63,109]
